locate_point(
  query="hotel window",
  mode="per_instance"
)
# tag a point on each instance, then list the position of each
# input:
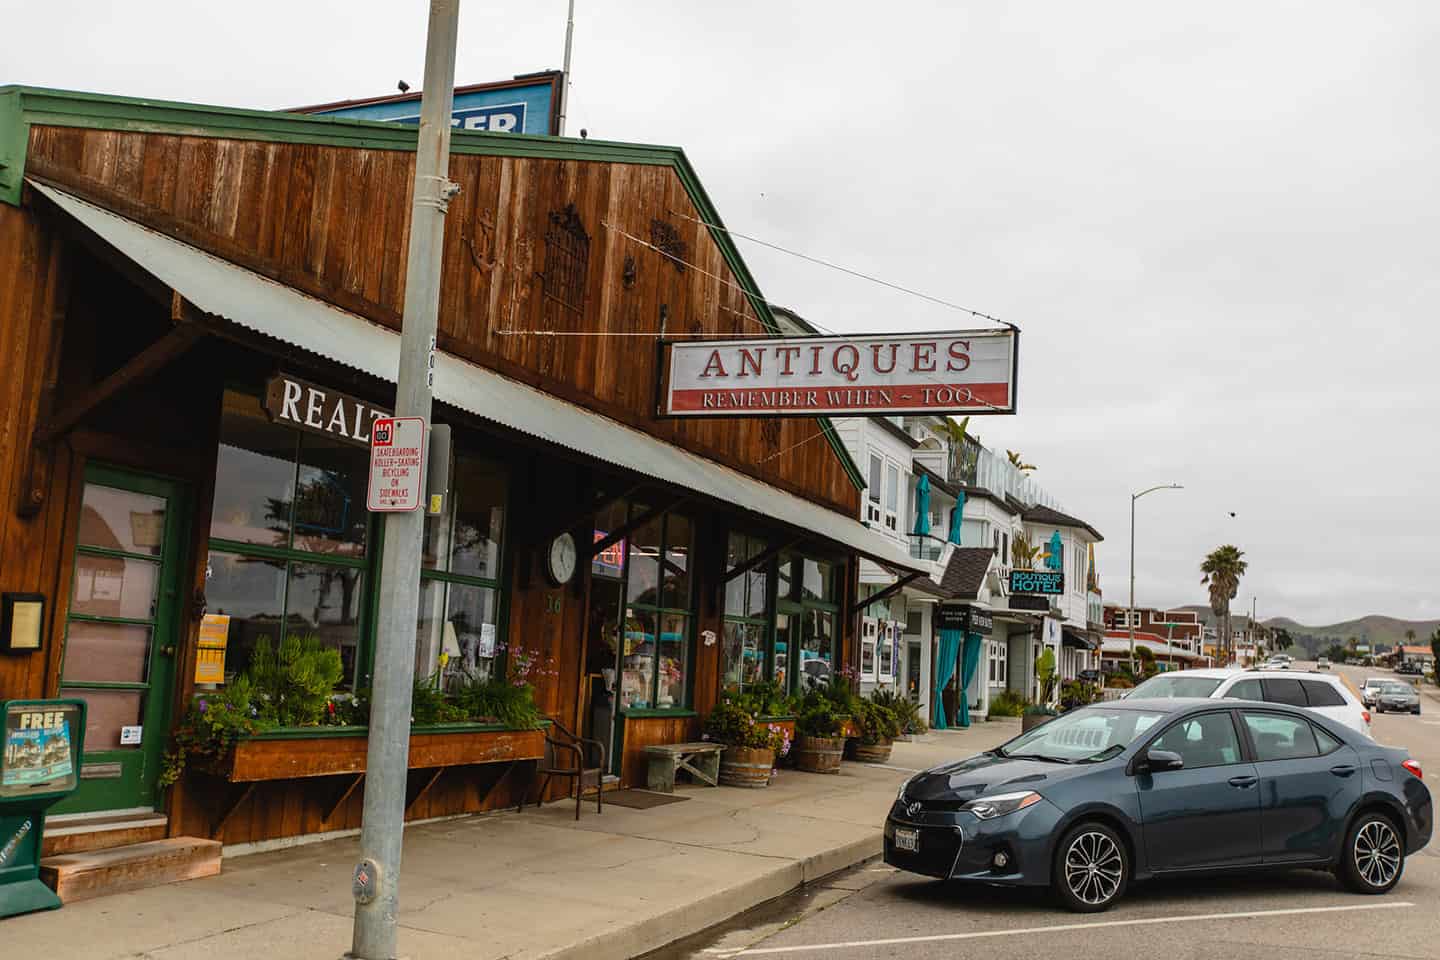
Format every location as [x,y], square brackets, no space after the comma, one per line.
[658,617]
[745,648]
[460,576]
[873,491]
[892,495]
[289,535]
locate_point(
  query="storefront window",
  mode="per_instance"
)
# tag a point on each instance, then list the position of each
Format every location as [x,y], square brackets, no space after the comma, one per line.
[456,635]
[747,624]
[288,532]
[812,612]
[658,617]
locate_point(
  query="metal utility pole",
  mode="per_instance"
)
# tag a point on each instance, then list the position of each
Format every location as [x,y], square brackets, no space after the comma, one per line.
[565,87]
[376,885]
[1130,614]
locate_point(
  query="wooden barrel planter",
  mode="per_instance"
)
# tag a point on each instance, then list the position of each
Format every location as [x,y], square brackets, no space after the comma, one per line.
[819,754]
[873,752]
[746,767]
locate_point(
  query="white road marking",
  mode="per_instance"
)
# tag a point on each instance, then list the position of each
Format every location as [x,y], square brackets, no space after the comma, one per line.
[1056,928]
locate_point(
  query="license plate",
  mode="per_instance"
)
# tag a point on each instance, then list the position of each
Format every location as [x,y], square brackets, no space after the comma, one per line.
[907,840]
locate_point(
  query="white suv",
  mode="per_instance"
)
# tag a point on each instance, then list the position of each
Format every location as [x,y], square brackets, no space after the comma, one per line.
[1323,693]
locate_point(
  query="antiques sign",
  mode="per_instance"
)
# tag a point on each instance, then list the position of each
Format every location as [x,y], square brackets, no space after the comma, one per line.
[299,403]
[963,371]
[1048,582]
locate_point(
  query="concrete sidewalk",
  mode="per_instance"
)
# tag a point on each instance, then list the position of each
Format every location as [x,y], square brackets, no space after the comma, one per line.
[530,885]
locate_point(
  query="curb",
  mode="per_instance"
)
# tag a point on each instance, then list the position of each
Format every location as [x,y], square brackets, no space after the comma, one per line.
[652,933]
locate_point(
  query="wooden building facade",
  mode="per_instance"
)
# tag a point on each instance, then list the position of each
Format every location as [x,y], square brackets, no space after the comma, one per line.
[170,465]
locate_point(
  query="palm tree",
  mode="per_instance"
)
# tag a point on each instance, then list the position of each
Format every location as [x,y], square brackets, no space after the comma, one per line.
[1223,567]
[1018,462]
[1409,638]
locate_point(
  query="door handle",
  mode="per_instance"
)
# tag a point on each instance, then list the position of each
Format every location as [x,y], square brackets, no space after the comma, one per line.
[1244,782]
[1342,769]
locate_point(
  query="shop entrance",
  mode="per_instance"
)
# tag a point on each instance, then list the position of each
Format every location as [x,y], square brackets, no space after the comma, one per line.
[121,634]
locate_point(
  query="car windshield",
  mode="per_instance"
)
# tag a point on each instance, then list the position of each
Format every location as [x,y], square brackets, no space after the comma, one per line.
[1083,735]
[1397,688]
[1176,686]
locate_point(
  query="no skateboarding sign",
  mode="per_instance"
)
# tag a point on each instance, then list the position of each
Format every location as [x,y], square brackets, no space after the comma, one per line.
[397,465]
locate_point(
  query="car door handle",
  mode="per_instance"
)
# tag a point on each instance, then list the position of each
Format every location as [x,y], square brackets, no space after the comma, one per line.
[1243,782]
[1342,769]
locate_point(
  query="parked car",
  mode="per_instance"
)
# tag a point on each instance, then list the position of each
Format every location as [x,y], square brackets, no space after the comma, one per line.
[1408,667]
[1370,689]
[1277,663]
[1327,694]
[1323,663]
[1397,695]
[1118,792]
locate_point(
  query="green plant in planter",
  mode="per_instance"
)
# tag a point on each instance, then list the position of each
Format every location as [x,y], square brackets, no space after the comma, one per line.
[877,724]
[818,720]
[293,683]
[907,711]
[765,699]
[1007,703]
[1045,673]
[211,724]
[731,724]
[493,700]
[428,704]
[1041,710]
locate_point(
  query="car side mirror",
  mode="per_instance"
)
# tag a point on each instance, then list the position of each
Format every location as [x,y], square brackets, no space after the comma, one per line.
[1158,761]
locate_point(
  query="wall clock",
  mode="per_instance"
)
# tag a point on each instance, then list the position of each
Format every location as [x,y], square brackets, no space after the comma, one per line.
[560,560]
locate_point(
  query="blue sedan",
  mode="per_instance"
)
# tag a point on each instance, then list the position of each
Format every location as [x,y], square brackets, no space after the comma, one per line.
[1112,793]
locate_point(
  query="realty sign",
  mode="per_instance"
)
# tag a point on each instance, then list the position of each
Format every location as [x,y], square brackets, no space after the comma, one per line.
[397,465]
[960,371]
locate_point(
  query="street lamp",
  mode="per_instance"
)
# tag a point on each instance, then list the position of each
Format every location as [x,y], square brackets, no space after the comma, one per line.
[1130,614]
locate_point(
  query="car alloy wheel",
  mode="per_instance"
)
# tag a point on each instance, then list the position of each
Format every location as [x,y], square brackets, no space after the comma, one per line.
[1376,857]
[1092,868]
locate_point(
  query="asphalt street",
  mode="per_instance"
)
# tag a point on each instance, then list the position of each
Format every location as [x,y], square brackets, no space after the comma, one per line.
[874,911]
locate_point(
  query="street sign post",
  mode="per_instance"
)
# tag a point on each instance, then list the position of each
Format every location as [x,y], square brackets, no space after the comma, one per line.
[39,767]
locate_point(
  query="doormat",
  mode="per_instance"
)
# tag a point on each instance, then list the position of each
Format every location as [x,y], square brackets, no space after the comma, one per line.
[641,799]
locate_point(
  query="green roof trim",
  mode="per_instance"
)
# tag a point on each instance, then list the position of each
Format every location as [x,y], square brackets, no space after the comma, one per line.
[21,107]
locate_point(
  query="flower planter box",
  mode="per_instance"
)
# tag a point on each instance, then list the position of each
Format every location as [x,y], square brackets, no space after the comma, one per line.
[819,754]
[746,767]
[874,752]
[325,752]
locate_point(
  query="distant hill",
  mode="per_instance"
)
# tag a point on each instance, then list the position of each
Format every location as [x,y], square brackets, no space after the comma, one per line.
[1374,629]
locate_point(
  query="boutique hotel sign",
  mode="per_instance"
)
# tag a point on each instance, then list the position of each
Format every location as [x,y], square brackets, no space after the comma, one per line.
[964,371]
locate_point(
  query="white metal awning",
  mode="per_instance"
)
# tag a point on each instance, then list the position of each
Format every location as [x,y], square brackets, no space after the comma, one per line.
[223,289]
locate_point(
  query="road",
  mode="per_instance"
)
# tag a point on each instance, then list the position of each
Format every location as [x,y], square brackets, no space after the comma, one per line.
[873,911]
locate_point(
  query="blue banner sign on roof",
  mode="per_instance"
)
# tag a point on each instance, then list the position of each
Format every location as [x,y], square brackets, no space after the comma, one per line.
[527,104]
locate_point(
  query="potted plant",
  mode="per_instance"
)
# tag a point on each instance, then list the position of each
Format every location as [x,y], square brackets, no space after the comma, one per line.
[820,743]
[750,746]
[907,711]
[1036,714]
[878,729]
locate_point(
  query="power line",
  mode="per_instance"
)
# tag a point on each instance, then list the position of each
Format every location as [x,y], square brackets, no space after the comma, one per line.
[844,269]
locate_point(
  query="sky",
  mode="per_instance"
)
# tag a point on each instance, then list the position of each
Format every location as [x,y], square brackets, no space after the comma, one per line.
[1216,224]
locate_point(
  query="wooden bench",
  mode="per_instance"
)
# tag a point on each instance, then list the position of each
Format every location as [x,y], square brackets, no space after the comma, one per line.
[700,760]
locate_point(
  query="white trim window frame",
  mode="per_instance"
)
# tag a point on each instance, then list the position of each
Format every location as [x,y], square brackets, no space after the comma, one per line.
[892,496]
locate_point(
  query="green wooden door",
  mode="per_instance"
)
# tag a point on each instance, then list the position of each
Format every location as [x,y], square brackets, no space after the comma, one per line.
[121,634]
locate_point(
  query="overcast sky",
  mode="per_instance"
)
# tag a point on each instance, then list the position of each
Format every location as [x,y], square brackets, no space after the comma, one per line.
[1215,223]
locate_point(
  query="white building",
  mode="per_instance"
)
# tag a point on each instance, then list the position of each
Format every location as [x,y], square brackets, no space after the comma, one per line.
[999,506]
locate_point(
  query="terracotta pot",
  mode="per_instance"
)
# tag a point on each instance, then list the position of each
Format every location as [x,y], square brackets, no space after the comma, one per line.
[874,752]
[1033,720]
[746,767]
[819,754]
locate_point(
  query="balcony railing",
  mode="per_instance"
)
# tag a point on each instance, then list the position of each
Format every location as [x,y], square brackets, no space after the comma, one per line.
[924,546]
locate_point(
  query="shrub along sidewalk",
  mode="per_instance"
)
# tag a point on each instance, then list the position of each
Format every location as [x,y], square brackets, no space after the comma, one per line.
[529,885]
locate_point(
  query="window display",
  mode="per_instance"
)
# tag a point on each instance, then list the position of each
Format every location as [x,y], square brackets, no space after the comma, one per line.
[654,669]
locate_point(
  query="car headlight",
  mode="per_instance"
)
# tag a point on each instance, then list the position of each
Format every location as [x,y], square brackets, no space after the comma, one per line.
[906,783]
[988,808]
